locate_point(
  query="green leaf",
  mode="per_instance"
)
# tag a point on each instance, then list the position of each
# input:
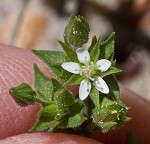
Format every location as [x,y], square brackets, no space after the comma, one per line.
[49,111]
[77,31]
[43,84]
[23,94]
[43,124]
[76,116]
[111,70]
[51,57]
[94,95]
[107,48]
[54,59]
[42,99]
[70,52]
[94,41]
[114,90]
[94,54]
[56,85]
[60,73]
[74,79]
[63,98]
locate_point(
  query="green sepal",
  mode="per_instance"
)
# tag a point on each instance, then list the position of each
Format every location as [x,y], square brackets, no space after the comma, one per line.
[107,126]
[77,31]
[44,124]
[95,52]
[107,48]
[111,115]
[23,94]
[70,52]
[43,84]
[114,90]
[93,43]
[111,70]
[54,59]
[74,79]
[76,116]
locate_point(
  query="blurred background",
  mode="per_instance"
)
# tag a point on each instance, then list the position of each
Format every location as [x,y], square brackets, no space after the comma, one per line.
[38,24]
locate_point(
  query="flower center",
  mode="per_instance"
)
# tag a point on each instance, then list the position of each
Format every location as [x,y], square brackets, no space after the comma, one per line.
[88,70]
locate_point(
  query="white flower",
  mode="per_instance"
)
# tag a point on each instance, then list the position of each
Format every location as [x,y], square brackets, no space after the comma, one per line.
[88,69]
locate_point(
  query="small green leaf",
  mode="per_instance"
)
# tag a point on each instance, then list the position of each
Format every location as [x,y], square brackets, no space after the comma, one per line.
[49,111]
[43,124]
[56,85]
[107,48]
[70,52]
[23,94]
[77,31]
[54,59]
[63,98]
[51,57]
[74,79]
[94,95]
[76,116]
[94,41]
[94,54]
[42,99]
[113,87]
[60,73]
[43,84]
[111,70]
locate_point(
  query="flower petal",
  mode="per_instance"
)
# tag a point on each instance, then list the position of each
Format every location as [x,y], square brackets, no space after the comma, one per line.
[101,85]
[83,55]
[103,64]
[84,90]
[71,67]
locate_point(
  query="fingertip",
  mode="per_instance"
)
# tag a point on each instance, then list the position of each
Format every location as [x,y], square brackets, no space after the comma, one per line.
[48,138]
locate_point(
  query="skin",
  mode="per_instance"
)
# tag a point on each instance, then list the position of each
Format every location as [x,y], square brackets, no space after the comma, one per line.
[16,66]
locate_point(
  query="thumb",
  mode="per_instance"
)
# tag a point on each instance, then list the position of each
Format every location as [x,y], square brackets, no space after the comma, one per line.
[16,66]
[45,138]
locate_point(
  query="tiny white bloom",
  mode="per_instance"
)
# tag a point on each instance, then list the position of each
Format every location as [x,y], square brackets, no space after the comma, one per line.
[88,72]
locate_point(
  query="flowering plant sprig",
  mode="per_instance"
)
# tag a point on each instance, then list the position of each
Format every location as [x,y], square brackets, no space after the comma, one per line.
[98,105]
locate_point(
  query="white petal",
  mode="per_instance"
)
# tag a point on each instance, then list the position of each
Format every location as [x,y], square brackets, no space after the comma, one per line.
[103,64]
[84,90]
[83,55]
[101,85]
[71,67]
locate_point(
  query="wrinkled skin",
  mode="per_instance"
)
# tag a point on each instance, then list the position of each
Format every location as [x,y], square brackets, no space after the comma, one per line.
[16,66]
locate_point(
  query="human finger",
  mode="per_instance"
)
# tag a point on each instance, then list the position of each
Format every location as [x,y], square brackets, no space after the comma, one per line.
[45,138]
[16,66]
